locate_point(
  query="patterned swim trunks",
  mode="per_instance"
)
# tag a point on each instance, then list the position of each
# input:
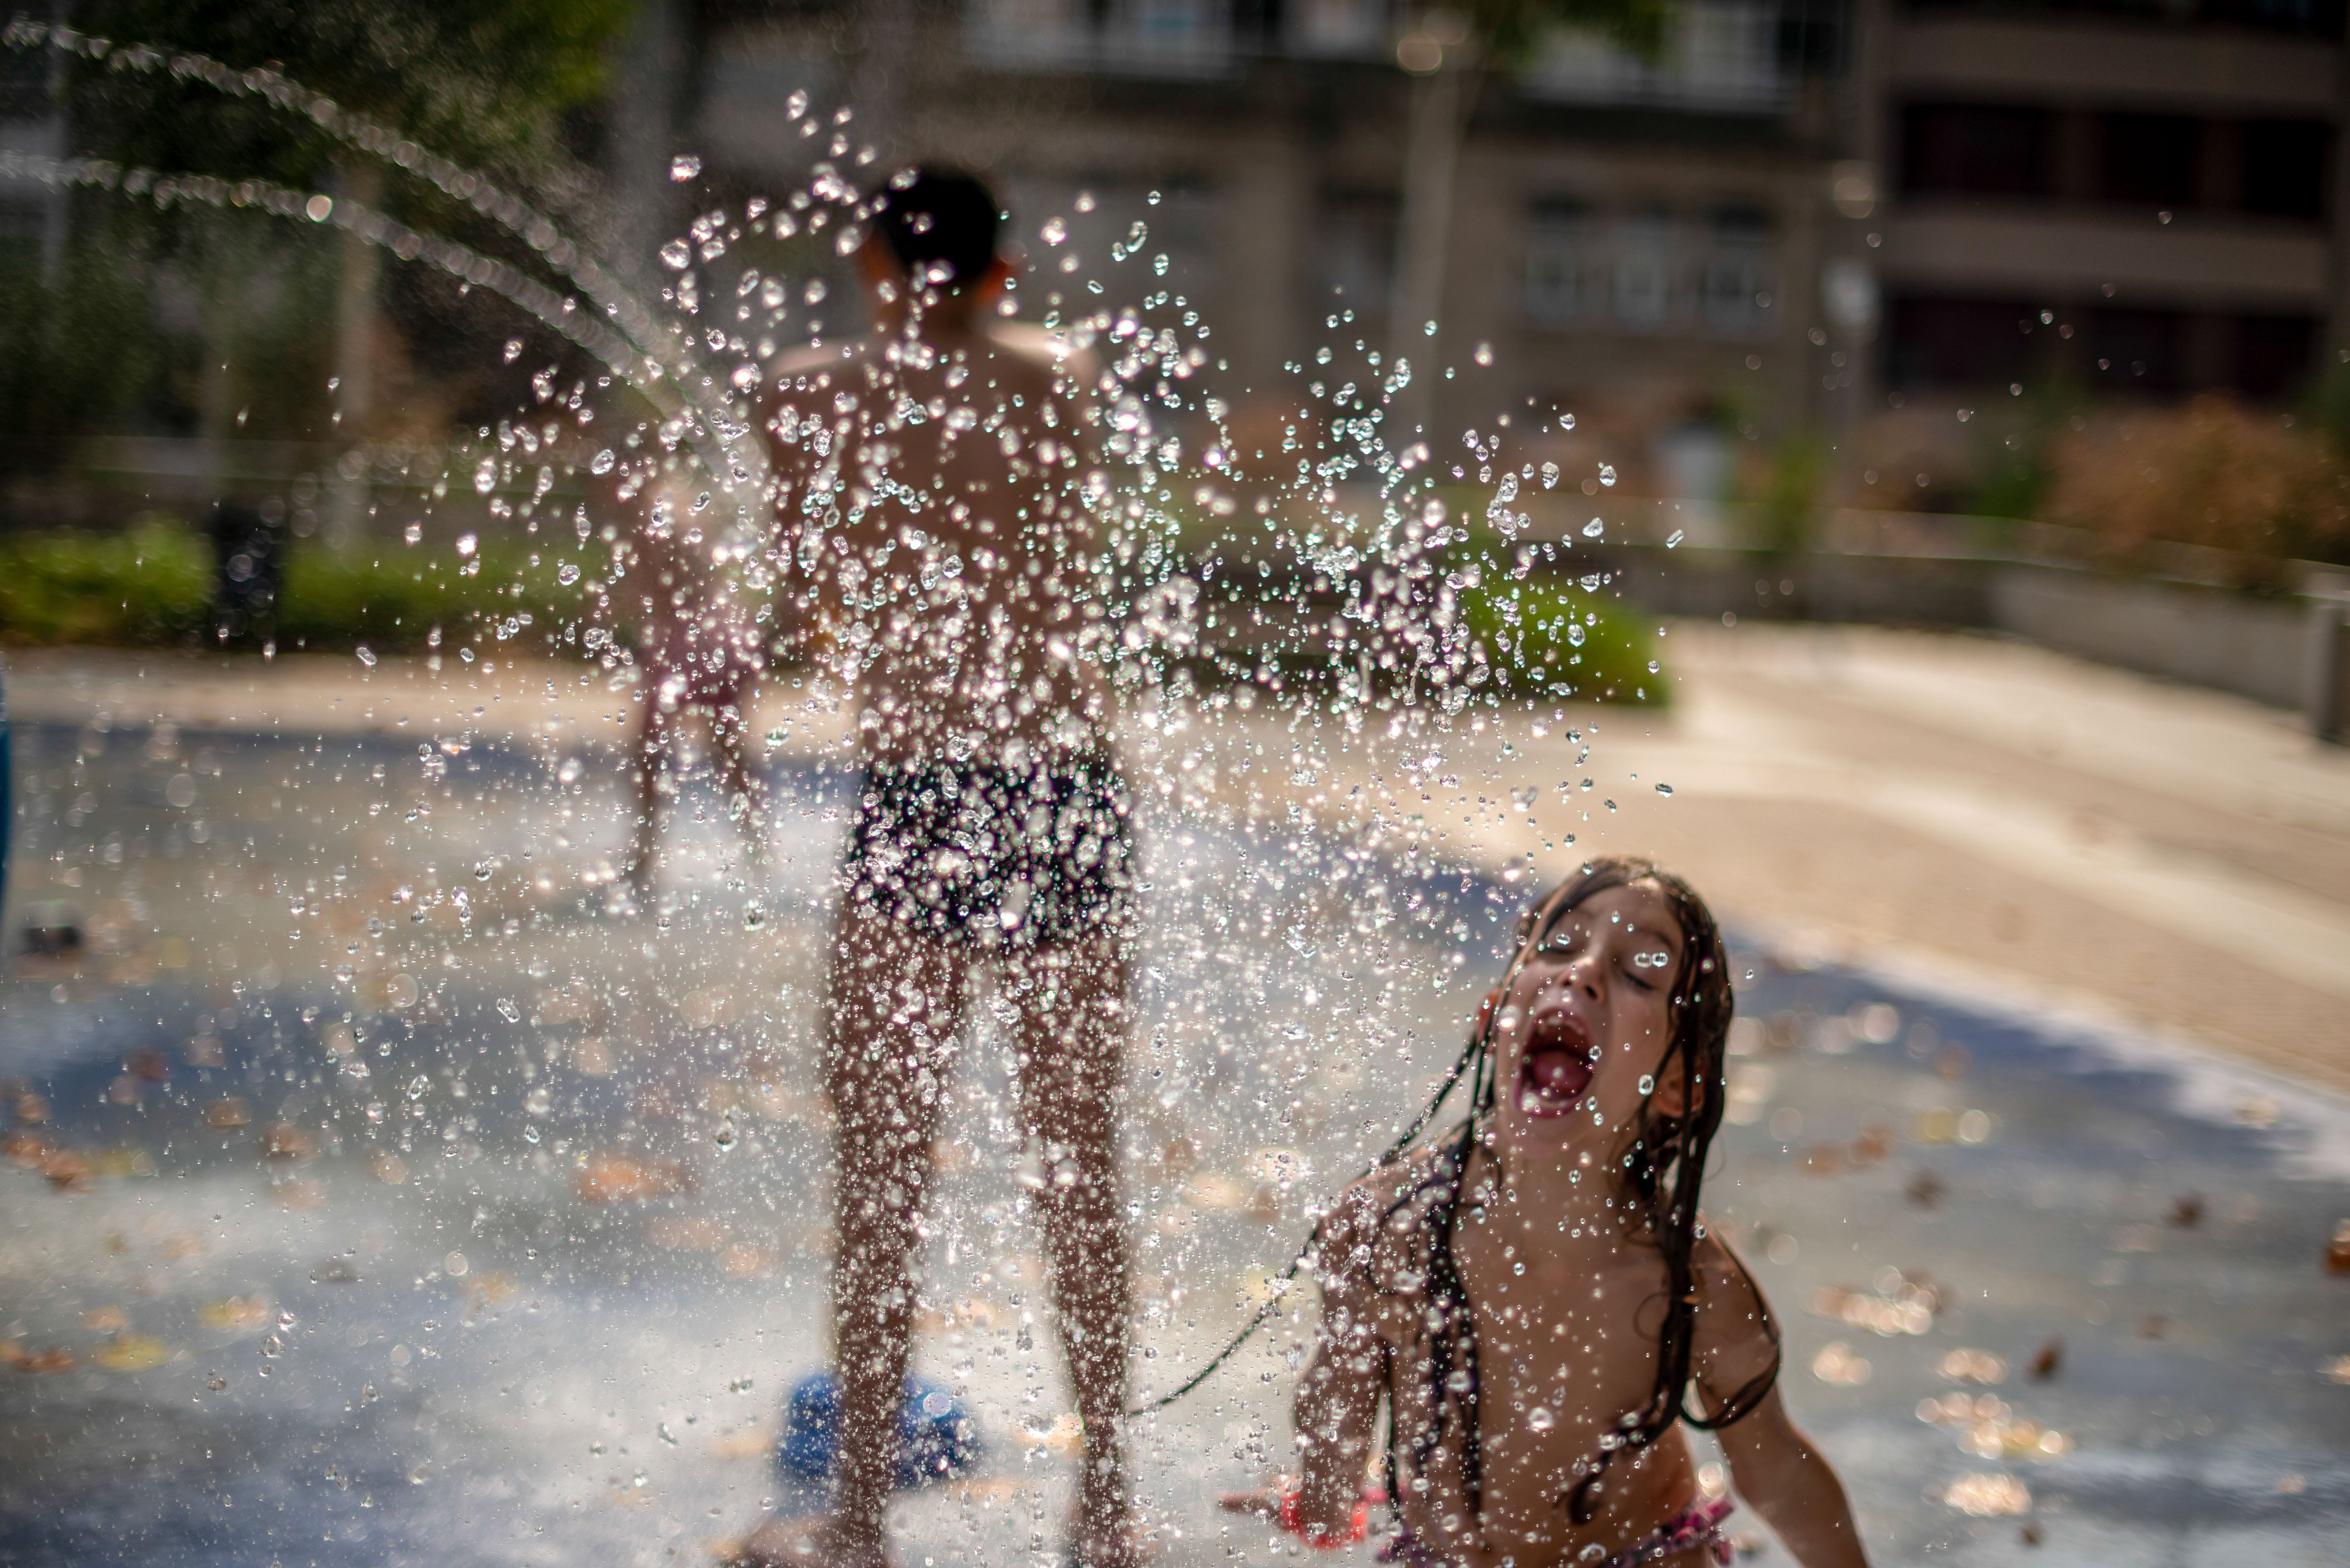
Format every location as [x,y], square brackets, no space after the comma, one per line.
[981,854]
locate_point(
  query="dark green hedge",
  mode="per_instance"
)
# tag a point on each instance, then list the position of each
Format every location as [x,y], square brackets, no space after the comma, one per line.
[1531,628]
[150,586]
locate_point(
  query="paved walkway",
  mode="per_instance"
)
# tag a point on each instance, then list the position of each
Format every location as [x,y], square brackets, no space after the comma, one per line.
[2004,817]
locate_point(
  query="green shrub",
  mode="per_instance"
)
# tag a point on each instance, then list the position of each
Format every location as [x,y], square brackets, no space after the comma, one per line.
[142,588]
[391,598]
[151,586]
[1545,634]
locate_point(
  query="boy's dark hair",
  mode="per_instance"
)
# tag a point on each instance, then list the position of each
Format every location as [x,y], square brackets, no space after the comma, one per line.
[940,223]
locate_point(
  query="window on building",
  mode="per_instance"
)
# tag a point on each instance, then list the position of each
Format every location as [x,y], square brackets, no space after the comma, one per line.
[1562,265]
[1974,149]
[1355,250]
[1736,289]
[2284,167]
[1932,342]
[1642,287]
[2149,160]
[2320,18]
[1343,28]
[2142,349]
[2274,354]
[1146,38]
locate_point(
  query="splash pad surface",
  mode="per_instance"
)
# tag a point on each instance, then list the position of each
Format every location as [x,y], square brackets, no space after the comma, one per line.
[532,1285]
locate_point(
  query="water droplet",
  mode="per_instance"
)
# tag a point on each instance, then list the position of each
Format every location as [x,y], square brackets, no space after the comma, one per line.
[1549,475]
[1664,789]
[1593,529]
[754,918]
[466,543]
[1647,1082]
[417,1085]
[1054,232]
[677,254]
[684,167]
[603,462]
[1540,1419]
[1606,474]
[513,349]
[367,656]
[567,574]
[725,1134]
[1673,540]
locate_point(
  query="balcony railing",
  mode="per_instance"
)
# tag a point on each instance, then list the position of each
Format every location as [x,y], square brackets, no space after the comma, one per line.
[1734,57]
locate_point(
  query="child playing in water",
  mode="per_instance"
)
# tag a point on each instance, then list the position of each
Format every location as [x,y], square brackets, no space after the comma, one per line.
[1535,1294]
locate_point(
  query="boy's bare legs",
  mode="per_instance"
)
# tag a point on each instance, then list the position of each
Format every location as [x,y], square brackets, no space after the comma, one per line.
[740,778]
[893,1015]
[1071,1002]
[652,755]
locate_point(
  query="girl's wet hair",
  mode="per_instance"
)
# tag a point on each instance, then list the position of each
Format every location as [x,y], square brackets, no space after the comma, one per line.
[1665,1166]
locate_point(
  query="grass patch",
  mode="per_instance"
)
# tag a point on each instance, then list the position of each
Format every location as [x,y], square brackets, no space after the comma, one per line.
[1551,638]
[151,586]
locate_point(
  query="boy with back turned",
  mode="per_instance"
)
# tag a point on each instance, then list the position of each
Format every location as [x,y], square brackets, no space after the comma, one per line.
[933,481]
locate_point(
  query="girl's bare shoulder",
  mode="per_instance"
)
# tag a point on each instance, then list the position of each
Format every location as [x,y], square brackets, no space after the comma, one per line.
[1735,1330]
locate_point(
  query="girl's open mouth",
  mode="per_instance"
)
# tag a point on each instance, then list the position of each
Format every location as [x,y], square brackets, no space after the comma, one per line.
[1556,1065]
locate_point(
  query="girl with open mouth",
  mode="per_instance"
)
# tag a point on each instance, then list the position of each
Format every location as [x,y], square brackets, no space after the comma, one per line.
[1535,1295]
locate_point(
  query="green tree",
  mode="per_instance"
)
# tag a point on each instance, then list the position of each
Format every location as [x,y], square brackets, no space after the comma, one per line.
[502,86]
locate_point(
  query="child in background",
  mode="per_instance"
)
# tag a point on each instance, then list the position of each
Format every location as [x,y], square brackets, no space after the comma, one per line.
[1535,1294]
[701,646]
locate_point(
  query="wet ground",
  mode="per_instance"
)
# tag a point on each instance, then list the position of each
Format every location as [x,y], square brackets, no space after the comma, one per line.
[375,1194]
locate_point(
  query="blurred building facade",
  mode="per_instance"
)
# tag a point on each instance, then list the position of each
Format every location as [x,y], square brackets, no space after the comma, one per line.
[1802,214]
[2141,199]
[1639,241]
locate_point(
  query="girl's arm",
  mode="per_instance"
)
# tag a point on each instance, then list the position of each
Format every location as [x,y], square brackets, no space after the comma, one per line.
[1337,1406]
[1785,1479]
[1773,1464]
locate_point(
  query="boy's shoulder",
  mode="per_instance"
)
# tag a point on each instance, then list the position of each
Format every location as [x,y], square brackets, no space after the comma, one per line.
[808,376]
[1046,349]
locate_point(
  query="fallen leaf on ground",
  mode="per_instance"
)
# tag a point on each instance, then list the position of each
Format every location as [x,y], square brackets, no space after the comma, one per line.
[55,1358]
[132,1353]
[1988,1496]
[622,1179]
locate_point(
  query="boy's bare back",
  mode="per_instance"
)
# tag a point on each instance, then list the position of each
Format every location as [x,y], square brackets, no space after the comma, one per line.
[933,495]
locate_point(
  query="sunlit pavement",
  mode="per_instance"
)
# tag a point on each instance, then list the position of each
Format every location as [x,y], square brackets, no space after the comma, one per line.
[498,1234]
